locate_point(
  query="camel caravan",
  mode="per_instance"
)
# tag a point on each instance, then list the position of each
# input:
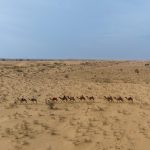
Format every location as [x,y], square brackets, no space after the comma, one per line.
[118,99]
[81,98]
[24,100]
[64,98]
[72,98]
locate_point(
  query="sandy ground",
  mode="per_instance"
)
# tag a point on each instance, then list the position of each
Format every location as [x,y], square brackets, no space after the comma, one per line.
[79,125]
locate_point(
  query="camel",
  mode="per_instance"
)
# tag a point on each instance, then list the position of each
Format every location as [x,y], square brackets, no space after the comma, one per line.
[119,99]
[81,97]
[90,98]
[33,100]
[147,64]
[109,98]
[64,98]
[130,99]
[15,102]
[22,100]
[71,98]
[54,99]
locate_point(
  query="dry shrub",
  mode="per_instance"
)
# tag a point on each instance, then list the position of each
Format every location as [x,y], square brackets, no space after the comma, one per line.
[25,143]
[42,70]
[8,131]
[3,59]
[36,122]
[85,63]
[19,70]
[100,109]
[147,81]
[50,105]
[53,132]
[137,71]
[45,126]
[66,76]
[87,140]
[57,64]
[44,64]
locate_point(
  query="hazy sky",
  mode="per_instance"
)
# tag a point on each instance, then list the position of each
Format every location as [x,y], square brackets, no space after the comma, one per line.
[101,29]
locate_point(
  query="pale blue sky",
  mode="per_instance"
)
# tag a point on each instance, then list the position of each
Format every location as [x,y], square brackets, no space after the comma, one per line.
[100,29]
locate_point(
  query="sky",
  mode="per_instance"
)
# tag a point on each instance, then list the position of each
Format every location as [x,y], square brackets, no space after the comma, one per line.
[75,29]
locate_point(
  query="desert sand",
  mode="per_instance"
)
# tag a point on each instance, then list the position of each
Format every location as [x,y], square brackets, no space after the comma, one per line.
[79,124]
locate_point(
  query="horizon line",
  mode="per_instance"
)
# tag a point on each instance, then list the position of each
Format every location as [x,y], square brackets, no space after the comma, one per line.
[68,59]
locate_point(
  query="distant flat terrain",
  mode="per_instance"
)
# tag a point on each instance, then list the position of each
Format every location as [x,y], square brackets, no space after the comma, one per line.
[107,105]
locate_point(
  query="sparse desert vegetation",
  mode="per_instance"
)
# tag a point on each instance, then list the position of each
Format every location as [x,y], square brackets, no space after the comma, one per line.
[74,105]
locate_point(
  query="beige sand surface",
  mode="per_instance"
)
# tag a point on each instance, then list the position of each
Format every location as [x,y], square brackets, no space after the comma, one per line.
[79,125]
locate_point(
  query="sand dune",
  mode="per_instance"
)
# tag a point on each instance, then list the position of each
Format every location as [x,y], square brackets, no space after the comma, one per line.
[74,125]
